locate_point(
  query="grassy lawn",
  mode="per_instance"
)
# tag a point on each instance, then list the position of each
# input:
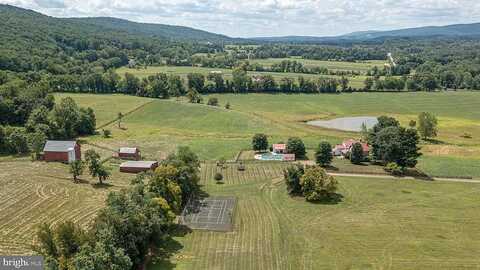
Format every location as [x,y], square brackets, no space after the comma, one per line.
[378,224]
[355,81]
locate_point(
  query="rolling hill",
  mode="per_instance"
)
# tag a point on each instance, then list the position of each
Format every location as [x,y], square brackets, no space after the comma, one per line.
[172,32]
[25,21]
[450,31]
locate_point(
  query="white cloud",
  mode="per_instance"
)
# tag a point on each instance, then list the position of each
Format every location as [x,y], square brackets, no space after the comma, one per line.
[271,17]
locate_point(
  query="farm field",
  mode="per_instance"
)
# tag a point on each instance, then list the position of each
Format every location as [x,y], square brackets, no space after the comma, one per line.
[106,106]
[363,66]
[213,132]
[355,81]
[378,224]
[274,231]
[36,192]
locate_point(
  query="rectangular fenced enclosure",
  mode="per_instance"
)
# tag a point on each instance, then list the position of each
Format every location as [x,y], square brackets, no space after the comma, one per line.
[212,214]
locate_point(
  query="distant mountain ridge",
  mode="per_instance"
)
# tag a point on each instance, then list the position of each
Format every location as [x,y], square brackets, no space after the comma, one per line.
[14,17]
[456,30]
[181,33]
[159,30]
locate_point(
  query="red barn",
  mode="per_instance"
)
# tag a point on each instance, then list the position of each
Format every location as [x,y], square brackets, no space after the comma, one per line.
[138,166]
[129,153]
[62,151]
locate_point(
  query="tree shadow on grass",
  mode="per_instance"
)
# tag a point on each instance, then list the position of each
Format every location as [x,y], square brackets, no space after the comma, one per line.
[331,168]
[419,175]
[102,185]
[435,141]
[161,256]
[332,199]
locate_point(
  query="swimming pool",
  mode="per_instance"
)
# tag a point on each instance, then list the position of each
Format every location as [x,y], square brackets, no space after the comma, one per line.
[275,157]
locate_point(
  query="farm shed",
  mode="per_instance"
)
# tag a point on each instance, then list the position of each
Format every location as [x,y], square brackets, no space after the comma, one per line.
[279,148]
[138,166]
[129,153]
[62,151]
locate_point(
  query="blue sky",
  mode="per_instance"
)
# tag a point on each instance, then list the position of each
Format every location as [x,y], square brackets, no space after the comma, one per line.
[249,18]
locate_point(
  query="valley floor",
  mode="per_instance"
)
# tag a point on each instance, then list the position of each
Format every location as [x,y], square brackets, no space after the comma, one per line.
[378,223]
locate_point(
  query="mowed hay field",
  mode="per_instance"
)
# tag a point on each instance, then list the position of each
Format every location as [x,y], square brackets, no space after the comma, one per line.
[106,107]
[378,224]
[361,66]
[214,132]
[355,81]
[33,193]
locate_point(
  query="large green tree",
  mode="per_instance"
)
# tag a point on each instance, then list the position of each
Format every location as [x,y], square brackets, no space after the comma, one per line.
[260,142]
[317,184]
[292,175]
[356,153]
[427,125]
[323,154]
[295,146]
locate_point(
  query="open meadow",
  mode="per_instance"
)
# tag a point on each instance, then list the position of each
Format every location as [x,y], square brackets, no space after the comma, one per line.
[377,224]
[355,81]
[359,66]
[214,132]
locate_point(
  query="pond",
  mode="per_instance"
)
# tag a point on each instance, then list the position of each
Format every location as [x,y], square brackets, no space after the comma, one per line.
[346,123]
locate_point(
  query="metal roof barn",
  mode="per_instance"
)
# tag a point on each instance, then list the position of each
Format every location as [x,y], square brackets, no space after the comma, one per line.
[62,151]
[138,166]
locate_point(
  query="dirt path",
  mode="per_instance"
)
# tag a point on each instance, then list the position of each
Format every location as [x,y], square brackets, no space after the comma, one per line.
[405,177]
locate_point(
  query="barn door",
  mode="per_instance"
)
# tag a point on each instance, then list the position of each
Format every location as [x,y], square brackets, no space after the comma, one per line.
[71,155]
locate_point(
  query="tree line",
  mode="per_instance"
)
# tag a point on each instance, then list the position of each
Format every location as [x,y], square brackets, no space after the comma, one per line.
[135,222]
[30,116]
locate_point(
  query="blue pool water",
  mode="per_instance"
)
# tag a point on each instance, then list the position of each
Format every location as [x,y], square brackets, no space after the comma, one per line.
[270,157]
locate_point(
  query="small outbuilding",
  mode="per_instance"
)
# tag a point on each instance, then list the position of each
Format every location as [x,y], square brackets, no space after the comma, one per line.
[279,148]
[62,151]
[138,166]
[131,153]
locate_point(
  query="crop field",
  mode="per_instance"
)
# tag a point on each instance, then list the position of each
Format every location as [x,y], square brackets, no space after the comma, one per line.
[33,193]
[377,224]
[355,81]
[362,67]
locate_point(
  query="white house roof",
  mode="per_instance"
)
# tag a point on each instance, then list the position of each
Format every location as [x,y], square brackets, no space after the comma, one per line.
[128,150]
[138,164]
[59,146]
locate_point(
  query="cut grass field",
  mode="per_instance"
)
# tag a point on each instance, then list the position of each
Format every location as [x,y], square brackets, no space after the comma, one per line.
[106,107]
[355,81]
[33,193]
[362,67]
[213,132]
[378,224]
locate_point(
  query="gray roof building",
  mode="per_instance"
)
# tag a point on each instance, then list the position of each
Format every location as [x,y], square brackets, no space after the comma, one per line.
[59,146]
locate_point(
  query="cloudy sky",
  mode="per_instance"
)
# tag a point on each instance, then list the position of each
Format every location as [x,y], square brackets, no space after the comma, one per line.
[249,18]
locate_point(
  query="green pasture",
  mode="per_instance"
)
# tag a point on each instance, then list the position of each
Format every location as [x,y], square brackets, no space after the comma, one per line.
[376,224]
[360,66]
[213,132]
[355,81]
